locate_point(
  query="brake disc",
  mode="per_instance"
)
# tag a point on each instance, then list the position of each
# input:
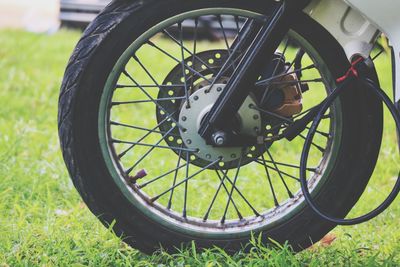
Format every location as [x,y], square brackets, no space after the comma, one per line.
[173,108]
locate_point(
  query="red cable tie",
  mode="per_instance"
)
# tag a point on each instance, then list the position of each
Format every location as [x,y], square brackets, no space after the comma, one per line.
[351,72]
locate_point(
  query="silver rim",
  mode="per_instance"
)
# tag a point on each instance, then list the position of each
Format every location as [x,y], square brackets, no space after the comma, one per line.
[129,133]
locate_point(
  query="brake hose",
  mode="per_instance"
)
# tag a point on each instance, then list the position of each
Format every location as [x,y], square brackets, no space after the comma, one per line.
[351,76]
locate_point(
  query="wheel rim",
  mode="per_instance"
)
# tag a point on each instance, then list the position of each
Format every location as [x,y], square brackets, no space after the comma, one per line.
[249,218]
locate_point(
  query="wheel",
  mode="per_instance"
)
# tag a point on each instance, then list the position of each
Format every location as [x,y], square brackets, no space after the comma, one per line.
[135,90]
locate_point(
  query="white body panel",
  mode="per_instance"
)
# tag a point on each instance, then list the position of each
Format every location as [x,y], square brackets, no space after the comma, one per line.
[385,15]
[356,23]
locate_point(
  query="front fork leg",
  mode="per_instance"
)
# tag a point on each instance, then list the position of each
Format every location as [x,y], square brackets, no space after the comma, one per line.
[246,73]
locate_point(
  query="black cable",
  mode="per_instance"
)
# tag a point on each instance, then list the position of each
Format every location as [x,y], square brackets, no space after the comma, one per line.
[370,85]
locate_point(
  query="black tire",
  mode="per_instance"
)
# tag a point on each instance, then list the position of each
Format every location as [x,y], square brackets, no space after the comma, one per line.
[91,62]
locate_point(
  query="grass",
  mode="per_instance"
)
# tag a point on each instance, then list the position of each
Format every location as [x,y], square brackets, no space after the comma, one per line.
[44,222]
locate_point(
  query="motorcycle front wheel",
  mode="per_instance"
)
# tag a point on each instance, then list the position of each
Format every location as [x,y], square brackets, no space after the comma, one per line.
[134,92]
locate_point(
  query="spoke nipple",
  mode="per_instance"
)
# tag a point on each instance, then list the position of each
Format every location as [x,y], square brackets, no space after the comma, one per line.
[141,174]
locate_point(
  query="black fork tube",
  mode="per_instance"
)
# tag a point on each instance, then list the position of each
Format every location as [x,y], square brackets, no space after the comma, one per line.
[246,73]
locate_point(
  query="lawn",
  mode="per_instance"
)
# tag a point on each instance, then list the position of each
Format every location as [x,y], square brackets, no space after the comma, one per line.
[44,222]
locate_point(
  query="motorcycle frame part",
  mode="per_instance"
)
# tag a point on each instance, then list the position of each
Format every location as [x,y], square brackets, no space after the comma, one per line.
[379,93]
[355,24]
[245,74]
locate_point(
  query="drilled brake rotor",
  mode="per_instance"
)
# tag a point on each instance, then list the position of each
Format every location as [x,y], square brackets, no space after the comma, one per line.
[207,64]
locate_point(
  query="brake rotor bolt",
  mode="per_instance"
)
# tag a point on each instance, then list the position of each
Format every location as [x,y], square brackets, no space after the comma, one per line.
[196,98]
[184,118]
[219,89]
[220,141]
[189,141]
[208,156]
[233,156]
[256,117]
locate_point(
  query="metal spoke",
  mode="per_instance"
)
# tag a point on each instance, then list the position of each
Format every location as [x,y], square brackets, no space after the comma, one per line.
[289,165]
[237,27]
[219,18]
[241,194]
[272,114]
[150,150]
[149,132]
[183,65]
[278,171]
[194,56]
[280,174]
[328,116]
[205,218]
[225,69]
[146,101]
[184,212]
[145,70]
[227,192]
[222,184]
[267,91]
[271,79]
[150,145]
[141,186]
[175,178]
[159,86]
[321,149]
[178,61]
[140,128]
[232,189]
[196,23]
[149,96]
[228,64]
[289,83]
[187,179]
[324,134]
[299,55]
[276,202]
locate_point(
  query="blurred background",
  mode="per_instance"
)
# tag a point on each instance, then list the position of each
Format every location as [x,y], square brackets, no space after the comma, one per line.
[48,15]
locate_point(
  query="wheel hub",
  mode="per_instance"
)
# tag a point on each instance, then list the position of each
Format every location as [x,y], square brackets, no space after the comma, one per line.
[191,116]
